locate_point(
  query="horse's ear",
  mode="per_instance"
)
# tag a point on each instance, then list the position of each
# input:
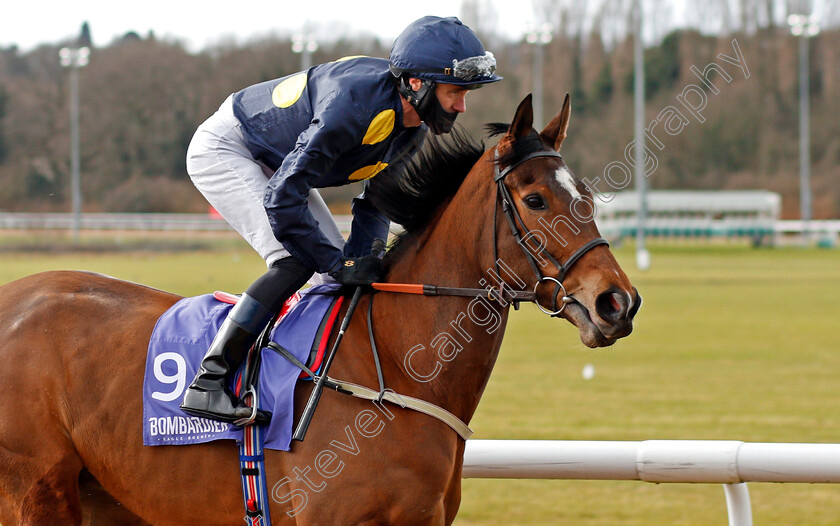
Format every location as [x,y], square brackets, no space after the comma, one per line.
[555,132]
[523,121]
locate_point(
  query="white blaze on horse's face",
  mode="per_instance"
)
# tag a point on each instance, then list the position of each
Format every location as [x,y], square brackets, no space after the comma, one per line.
[567,181]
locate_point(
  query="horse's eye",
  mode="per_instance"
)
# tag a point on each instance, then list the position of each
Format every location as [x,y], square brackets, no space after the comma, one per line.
[535,202]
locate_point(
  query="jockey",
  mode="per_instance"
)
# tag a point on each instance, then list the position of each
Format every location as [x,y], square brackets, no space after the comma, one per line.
[259,159]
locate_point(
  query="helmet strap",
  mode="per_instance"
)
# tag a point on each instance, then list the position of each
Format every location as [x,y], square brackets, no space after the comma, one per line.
[419,99]
[427,105]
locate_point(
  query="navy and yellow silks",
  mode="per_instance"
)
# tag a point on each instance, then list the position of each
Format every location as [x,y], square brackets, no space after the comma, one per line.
[331,125]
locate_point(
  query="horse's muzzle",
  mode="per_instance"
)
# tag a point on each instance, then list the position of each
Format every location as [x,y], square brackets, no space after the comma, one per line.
[617,309]
[614,313]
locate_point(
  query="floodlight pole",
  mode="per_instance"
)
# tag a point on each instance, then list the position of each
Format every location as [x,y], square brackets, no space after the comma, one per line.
[804,138]
[305,44]
[539,37]
[75,58]
[804,27]
[642,254]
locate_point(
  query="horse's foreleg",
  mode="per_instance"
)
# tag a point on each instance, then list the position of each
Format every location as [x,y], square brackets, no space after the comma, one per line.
[53,494]
[39,473]
[99,508]
[433,521]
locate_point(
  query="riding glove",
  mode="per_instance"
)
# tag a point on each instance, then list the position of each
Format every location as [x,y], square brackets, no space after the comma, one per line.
[358,271]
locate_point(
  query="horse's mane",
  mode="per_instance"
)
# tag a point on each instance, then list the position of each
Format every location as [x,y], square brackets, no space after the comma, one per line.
[412,196]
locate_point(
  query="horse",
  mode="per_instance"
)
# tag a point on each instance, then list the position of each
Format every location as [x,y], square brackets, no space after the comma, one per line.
[498,220]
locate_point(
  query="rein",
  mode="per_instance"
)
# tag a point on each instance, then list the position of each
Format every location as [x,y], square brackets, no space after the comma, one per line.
[492,293]
[514,220]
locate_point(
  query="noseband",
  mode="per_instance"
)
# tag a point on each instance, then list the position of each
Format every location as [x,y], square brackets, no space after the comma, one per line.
[514,220]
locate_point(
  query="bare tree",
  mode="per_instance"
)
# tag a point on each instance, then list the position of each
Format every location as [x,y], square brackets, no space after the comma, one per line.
[613,16]
[482,16]
[659,19]
[567,17]
[706,16]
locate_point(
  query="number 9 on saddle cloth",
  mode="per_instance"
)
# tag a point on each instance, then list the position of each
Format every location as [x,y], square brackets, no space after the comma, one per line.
[182,336]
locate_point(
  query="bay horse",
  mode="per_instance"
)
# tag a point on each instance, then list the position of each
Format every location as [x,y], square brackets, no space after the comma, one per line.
[73,348]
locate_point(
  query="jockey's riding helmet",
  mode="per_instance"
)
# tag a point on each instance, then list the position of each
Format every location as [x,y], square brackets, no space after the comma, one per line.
[442,50]
[439,50]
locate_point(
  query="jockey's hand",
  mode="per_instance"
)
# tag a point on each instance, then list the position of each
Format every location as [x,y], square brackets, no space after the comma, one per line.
[358,271]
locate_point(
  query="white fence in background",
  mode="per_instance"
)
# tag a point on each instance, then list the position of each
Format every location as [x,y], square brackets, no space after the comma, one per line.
[203,222]
[614,227]
[729,462]
[160,222]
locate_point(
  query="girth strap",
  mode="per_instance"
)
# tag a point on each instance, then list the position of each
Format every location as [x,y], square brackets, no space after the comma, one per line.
[251,457]
[252,470]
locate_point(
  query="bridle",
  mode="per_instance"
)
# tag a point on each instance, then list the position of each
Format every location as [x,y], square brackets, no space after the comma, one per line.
[514,220]
[504,198]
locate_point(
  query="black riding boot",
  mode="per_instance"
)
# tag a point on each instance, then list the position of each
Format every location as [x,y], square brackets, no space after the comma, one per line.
[208,395]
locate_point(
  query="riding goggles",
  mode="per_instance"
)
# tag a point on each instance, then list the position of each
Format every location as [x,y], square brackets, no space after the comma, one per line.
[473,67]
[479,68]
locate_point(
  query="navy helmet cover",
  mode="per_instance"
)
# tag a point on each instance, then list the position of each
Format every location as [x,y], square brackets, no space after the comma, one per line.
[442,50]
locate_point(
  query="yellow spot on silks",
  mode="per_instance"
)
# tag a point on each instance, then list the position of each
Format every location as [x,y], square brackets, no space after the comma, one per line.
[351,57]
[366,172]
[289,91]
[380,127]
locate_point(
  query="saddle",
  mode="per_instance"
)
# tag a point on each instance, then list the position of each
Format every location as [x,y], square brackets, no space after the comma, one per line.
[250,370]
[183,334]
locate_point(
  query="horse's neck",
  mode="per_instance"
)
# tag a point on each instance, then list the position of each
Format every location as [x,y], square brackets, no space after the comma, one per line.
[455,340]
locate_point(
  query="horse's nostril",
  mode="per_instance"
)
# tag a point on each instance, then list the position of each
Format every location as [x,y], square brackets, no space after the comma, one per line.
[611,305]
[614,303]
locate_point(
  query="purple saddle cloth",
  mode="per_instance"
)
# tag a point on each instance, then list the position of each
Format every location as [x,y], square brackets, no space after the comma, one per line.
[179,341]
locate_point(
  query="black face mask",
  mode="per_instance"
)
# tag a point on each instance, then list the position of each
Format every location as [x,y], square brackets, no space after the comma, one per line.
[428,107]
[436,118]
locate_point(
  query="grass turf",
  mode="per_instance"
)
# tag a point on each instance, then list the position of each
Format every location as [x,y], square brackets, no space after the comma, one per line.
[731,343]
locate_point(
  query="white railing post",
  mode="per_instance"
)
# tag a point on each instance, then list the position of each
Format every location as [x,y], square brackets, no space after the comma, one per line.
[738,504]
